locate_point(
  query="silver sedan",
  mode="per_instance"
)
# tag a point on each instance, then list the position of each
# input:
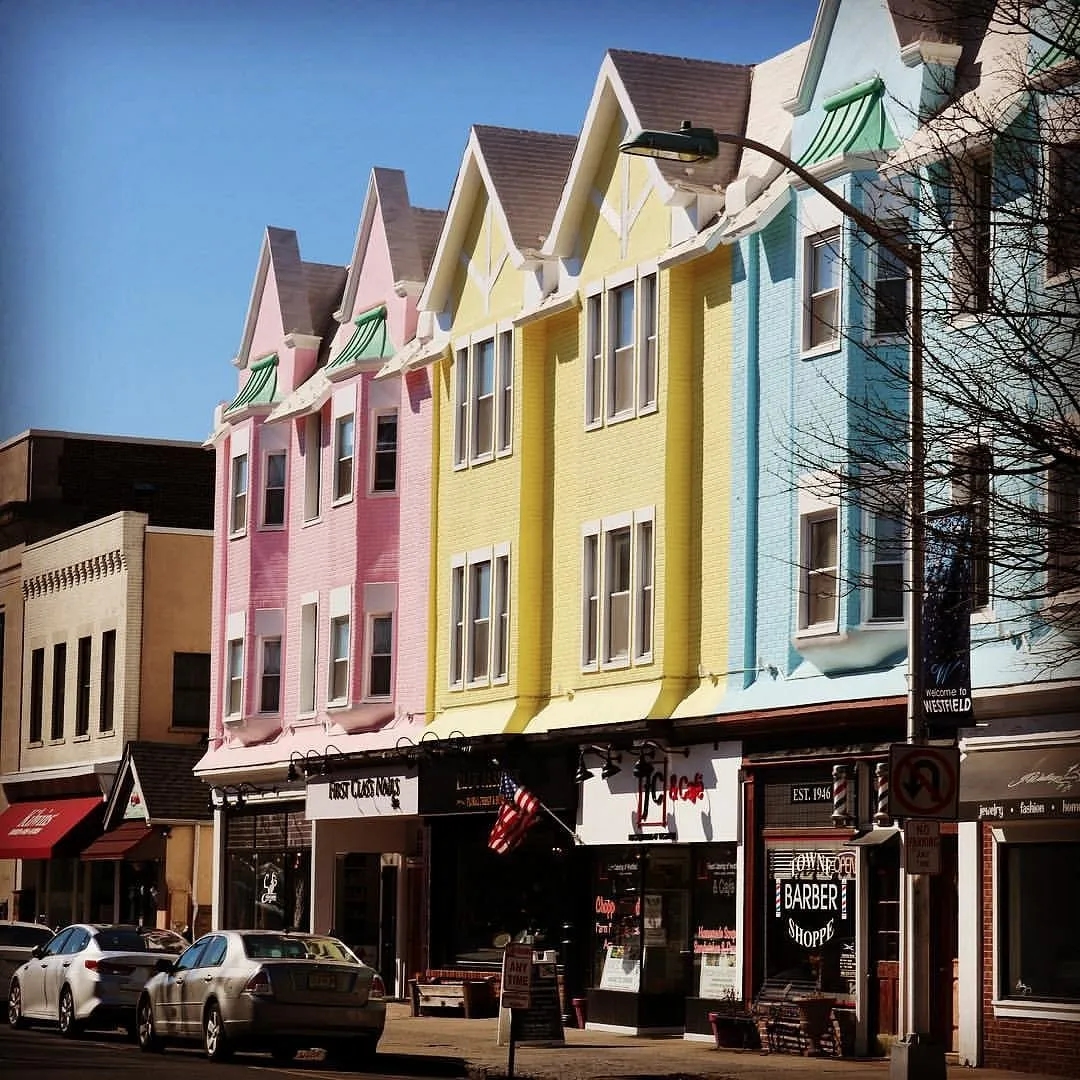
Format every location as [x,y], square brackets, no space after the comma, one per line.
[89,975]
[265,990]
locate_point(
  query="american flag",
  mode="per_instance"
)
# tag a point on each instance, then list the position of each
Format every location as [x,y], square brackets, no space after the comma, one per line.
[516,815]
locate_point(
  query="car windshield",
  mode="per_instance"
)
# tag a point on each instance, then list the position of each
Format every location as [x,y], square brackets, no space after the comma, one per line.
[274,947]
[120,939]
[328,948]
[162,940]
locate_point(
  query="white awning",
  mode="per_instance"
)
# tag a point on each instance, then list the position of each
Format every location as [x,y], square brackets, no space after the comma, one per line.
[307,398]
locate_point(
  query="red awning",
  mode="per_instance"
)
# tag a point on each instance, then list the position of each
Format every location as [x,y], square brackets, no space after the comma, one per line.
[31,830]
[117,843]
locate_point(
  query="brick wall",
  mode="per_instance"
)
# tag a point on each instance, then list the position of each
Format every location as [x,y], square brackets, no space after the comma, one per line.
[1047,1046]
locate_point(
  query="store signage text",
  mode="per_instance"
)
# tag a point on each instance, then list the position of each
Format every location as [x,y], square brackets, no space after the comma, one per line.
[814,899]
[1061,782]
[685,789]
[721,940]
[811,793]
[366,787]
[823,864]
[34,822]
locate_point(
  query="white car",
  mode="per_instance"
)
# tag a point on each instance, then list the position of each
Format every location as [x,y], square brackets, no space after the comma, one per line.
[89,975]
[17,940]
[267,990]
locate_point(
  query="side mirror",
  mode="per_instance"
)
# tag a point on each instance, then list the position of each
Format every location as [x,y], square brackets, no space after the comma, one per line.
[163,964]
[37,952]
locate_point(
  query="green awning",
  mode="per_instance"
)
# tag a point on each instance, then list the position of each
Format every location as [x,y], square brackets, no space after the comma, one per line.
[855,123]
[261,387]
[369,342]
[1065,46]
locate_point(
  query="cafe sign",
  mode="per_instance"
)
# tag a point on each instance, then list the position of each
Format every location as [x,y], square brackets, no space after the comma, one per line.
[381,793]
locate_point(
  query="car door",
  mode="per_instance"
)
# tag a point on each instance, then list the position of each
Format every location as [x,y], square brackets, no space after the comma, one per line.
[56,973]
[172,991]
[32,982]
[198,983]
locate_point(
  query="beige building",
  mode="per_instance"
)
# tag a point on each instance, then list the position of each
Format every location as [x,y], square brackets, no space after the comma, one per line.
[115,647]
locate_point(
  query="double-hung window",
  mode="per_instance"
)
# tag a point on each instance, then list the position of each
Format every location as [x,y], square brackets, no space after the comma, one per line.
[339,660]
[270,682]
[380,655]
[37,693]
[617,590]
[820,588]
[309,651]
[107,704]
[234,696]
[238,494]
[82,688]
[886,570]
[384,452]
[890,289]
[1063,223]
[312,465]
[971,488]
[972,231]
[621,350]
[484,398]
[1063,526]
[274,492]
[821,323]
[480,617]
[344,456]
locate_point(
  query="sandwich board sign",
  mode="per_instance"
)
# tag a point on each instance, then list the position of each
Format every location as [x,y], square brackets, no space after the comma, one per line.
[517,975]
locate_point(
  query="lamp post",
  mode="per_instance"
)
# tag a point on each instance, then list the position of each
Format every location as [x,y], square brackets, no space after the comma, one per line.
[690,144]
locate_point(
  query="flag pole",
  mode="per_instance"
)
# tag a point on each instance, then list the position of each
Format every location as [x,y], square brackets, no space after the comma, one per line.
[547,810]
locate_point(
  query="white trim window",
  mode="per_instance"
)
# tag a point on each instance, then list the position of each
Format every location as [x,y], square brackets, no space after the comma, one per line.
[338,689]
[819,601]
[617,605]
[480,617]
[1063,220]
[890,287]
[238,495]
[380,656]
[1063,526]
[274,489]
[972,214]
[484,398]
[234,676]
[821,290]
[270,677]
[885,570]
[384,452]
[621,356]
[344,456]
[972,470]
[309,654]
[312,465]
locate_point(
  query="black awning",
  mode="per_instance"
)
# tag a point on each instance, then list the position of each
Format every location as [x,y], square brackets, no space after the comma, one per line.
[873,837]
[1021,783]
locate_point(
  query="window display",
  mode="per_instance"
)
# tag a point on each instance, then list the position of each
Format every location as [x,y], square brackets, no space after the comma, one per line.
[268,870]
[715,881]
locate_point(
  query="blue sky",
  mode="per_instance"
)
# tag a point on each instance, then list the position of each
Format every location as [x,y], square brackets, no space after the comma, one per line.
[145,144]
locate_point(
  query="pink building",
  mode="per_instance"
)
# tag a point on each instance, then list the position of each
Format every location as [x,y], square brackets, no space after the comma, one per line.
[321,553]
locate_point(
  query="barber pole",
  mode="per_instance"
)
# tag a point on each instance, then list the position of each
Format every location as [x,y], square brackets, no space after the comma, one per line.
[777,898]
[881,780]
[841,797]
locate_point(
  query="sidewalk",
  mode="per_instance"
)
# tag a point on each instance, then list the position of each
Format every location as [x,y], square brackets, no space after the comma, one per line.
[456,1046]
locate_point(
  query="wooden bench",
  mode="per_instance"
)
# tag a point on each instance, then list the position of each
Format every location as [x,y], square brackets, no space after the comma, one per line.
[474,997]
[782,1022]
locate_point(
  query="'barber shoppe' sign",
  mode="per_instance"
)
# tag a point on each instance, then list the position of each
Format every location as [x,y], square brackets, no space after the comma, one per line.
[814,900]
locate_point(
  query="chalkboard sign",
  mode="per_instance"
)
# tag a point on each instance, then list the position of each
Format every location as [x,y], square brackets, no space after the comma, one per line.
[541,1023]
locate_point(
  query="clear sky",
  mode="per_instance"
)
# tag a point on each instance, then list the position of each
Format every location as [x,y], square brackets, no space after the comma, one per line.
[145,145]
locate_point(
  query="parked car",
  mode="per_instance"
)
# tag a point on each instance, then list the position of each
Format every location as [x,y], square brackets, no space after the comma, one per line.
[89,975]
[266,990]
[17,939]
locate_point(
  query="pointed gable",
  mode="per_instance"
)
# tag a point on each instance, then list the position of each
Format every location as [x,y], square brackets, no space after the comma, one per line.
[156,783]
[644,90]
[521,174]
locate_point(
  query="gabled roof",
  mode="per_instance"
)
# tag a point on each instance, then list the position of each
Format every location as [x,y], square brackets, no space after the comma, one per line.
[280,255]
[523,173]
[408,234]
[162,777]
[656,93]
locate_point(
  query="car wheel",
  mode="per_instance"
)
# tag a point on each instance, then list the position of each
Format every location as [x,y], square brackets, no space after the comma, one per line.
[14,1012]
[215,1042]
[149,1043]
[283,1053]
[69,1024]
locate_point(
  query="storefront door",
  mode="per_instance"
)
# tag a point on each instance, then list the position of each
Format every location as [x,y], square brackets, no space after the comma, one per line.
[944,1005]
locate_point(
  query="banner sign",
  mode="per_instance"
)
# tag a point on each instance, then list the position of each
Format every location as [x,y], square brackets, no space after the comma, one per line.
[946,621]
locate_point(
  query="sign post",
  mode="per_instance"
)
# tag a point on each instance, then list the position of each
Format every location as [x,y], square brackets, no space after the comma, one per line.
[516,988]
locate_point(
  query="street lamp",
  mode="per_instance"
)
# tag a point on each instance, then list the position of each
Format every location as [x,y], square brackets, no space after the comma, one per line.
[690,144]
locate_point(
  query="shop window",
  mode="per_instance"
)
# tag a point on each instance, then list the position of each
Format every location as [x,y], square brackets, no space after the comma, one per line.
[715,942]
[1038,957]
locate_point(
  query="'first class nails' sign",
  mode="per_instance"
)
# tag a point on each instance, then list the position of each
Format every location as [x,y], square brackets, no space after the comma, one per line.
[384,793]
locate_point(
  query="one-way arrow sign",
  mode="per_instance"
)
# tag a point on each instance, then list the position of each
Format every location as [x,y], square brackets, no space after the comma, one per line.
[924,781]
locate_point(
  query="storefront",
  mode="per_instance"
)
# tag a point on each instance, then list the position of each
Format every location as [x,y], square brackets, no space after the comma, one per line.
[368,866]
[1024,864]
[665,867]
[826,890]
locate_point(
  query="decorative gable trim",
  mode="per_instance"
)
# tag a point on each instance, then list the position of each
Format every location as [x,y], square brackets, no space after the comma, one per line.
[815,58]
